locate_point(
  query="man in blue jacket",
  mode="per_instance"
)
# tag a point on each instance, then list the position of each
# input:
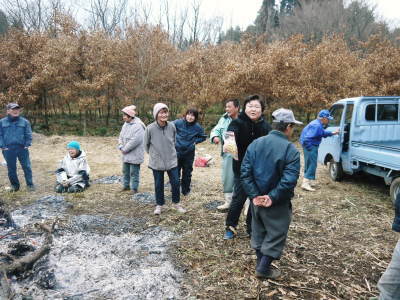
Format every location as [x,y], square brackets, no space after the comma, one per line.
[310,139]
[15,139]
[269,174]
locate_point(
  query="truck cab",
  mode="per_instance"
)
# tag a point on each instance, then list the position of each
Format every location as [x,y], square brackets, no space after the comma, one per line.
[369,139]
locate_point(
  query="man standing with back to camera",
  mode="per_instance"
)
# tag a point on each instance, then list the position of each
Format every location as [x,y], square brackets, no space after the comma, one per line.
[15,139]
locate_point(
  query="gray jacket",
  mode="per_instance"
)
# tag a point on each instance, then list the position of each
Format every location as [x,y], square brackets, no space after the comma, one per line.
[131,141]
[159,143]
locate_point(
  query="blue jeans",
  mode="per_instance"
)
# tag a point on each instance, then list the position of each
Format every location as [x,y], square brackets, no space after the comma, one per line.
[185,169]
[11,155]
[131,175]
[310,162]
[173,175]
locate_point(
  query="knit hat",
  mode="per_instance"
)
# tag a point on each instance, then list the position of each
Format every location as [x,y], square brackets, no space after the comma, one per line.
[157,108]
[130,110]
[74,145]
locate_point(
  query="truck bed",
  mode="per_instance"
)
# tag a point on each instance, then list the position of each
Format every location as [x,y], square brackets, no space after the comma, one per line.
[382,154]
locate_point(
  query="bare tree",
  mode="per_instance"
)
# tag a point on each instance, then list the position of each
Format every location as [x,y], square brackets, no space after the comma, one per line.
[107,14]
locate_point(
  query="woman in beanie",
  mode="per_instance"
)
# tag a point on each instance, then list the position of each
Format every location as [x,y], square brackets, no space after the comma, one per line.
[159,141]
[130,144]
[73,174]
[188,134]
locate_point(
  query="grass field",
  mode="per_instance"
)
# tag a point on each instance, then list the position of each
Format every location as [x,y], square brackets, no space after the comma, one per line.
[340,239]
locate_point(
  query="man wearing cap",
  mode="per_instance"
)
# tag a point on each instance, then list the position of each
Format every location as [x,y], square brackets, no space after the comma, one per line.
[310,139]
[269,174]
[15,139]
[131,145]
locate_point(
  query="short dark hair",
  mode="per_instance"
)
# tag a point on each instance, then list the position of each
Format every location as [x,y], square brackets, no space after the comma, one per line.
[281,126]
[254,97]
[194,112]
[235,102]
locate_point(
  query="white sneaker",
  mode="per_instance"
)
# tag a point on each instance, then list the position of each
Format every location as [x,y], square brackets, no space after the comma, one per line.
[228,200]
[313,183]
[180,208]
[306,185]
[157,211]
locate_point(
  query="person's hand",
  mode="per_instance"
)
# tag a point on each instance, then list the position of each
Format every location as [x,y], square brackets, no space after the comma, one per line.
[267,201]
[216,140]
[336,132]
[65,183]
[263,201]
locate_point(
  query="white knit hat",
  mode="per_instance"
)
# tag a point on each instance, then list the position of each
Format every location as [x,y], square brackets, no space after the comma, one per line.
[157,107]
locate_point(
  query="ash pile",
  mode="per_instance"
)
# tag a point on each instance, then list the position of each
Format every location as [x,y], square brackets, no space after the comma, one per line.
[47,254]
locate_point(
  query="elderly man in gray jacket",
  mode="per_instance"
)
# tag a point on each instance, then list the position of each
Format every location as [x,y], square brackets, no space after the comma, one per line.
[160,138]
[131,145]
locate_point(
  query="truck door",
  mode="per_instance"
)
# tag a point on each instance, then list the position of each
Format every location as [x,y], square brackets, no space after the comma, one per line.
[347,126]
[332,146]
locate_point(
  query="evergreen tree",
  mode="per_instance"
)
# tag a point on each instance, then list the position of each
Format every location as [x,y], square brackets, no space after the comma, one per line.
[3,23]
[265,16]
[288,6]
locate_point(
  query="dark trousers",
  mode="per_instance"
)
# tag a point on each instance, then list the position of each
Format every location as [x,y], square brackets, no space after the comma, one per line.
[235,209]
[185,169]
[270,227]
[11,155]
[173,175]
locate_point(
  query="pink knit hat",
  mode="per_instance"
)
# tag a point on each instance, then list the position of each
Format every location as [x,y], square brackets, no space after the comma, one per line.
[130,110]
[157,107]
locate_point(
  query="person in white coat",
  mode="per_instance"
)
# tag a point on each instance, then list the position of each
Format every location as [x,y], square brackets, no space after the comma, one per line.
[131,145]
[73,174]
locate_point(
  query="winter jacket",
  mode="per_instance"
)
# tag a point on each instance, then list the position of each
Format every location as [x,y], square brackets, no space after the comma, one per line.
[15,132]
[220,128]
[396,221]
[313,133]
[77,169]
[271,167]
[131,141]
[159,143]
[187,135]
[246,131]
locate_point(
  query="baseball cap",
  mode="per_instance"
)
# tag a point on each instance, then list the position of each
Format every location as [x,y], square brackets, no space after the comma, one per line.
[325,114]
[13,105]
[284,115]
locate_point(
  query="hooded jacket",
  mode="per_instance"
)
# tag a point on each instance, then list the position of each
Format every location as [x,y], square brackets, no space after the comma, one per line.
[15,132]
[159,143]
[131,141]
[246,131]
[187,135]
[77,169]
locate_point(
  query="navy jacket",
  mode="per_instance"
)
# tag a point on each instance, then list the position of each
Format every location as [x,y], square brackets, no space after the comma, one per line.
[313,133]
[15,132]
[246,131]
[187,135]
[271,167]
[396,221]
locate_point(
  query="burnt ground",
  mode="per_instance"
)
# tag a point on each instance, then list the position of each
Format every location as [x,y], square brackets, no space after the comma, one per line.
[339,241]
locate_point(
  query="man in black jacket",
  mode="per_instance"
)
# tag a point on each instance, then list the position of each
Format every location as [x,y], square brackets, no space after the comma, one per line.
[269,175]
[249,126]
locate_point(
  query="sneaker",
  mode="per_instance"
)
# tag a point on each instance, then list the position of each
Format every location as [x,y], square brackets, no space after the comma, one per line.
[224,207]
[13,189]
[31,188]
[157,211]
[306,185]
[271,273]
[179,208]
[230,233]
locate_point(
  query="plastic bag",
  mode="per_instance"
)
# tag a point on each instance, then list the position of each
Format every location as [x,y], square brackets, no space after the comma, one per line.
[202,161]
[230,144]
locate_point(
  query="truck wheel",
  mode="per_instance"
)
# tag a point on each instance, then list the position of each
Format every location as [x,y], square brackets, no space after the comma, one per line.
[335,170]
[394,189]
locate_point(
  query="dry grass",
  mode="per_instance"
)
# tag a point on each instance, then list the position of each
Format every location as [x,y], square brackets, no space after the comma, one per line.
[339,240]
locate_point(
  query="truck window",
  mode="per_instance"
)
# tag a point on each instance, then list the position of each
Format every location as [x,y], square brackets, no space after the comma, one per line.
[336,112]
[388,112]
[370,112]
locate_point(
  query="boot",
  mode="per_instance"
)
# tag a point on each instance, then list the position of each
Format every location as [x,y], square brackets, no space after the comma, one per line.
[264,269]
[228,199]
[246,207]
[306,185]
